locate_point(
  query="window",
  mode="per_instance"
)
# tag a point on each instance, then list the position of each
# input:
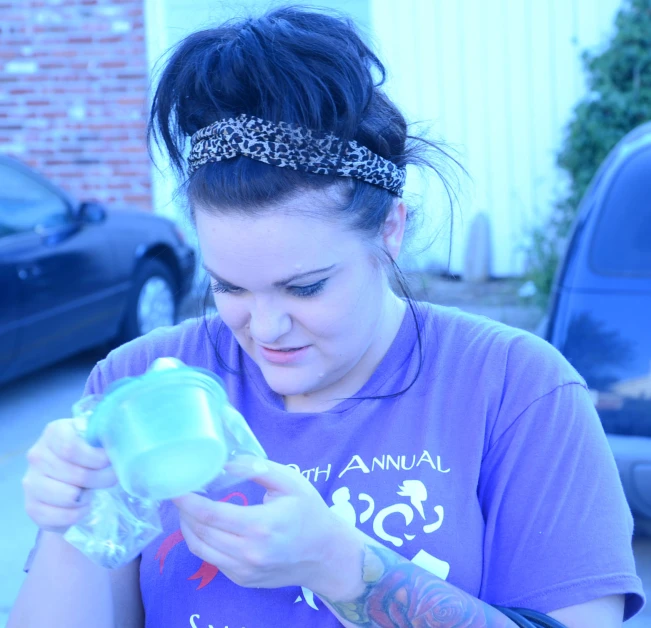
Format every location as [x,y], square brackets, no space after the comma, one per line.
[621,244]
[25,203]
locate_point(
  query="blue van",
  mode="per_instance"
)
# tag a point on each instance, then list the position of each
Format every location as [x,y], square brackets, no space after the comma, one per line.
[600,311]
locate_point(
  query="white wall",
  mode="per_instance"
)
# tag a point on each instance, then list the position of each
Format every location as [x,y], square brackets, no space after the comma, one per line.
[497,79]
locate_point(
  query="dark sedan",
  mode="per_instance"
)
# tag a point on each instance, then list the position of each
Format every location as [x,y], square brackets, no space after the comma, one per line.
[75,275]
[600,317]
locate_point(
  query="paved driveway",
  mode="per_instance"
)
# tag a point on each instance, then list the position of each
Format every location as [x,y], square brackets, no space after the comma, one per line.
[25,407]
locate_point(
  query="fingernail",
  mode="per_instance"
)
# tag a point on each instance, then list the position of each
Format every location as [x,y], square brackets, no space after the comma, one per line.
[239,467]
[260,467]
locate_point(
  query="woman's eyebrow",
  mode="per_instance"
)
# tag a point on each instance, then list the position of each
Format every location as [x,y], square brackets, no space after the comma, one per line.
[216,277]
[308,273]
[279,284]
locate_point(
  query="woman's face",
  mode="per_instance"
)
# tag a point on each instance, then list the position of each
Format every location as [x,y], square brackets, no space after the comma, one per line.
[304,296]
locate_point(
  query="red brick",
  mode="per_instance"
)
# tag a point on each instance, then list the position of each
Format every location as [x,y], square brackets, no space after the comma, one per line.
[116,89]
[112,64]
[82,64]
[52,65]
[15,42]
[55,162]
[41,151]
[49,28]
[137,76]
[110,39]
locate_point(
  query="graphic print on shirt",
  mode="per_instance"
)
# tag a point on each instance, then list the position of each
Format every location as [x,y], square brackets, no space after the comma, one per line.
[416,491]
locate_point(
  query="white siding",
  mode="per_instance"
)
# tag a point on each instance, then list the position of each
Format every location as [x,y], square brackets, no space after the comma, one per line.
[497,79]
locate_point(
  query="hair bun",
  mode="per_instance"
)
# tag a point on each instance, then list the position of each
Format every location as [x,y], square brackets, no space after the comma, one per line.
[290,65]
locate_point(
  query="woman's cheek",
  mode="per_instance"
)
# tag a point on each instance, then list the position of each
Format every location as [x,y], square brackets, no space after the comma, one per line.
[232,311]
[328,318]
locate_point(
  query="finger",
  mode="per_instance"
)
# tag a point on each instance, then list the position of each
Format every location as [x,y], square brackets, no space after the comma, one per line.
[202,549]
[63,439]
[247,571]
[276,478]
[68,473]
[221,515]
[54,518]
[227,543]
[248,522]
[52,492]
[232,567]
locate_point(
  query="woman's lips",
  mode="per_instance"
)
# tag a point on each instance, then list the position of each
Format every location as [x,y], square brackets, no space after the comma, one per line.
[276,356]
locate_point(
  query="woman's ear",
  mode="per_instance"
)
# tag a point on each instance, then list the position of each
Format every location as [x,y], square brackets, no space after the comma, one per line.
[394,229]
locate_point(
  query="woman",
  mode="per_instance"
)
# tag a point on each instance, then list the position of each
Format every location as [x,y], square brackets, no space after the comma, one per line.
[427,467]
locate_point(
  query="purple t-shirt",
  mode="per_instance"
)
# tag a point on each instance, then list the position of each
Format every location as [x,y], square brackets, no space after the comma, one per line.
[493,472]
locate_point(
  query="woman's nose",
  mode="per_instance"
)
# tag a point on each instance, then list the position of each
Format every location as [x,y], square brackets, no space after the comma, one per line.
[269,323]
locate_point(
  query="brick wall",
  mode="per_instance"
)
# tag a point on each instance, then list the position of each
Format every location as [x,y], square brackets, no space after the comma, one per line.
[73,95]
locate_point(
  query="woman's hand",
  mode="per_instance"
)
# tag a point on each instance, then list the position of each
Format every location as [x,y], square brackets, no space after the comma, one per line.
[61,466]
[291,539]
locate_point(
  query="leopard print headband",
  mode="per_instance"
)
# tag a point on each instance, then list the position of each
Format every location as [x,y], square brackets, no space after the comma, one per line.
[290,146]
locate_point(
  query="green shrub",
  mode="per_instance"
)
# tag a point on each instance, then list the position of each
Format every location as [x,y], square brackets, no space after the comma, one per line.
[618,100]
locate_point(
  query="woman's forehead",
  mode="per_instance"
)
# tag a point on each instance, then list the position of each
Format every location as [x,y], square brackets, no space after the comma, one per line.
[273,244]
[314,212]
[271,227]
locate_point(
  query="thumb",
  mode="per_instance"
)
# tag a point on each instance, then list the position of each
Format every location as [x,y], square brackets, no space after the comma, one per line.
[276,478]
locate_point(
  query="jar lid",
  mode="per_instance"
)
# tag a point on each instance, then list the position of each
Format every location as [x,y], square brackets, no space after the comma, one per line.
[163,374]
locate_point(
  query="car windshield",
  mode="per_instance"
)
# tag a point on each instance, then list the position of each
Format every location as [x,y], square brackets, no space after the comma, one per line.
[25,203]
[621,244]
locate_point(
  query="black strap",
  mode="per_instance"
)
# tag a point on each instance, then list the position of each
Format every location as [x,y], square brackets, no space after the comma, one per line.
[526,618]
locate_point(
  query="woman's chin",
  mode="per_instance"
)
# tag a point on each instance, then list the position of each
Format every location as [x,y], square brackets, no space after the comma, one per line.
[288,389]
[289,383]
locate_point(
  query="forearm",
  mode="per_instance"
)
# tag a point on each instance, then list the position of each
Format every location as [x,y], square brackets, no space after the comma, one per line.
[392,591]
[63,588]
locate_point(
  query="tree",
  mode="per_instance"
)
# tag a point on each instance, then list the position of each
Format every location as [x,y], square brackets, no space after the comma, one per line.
[618,100]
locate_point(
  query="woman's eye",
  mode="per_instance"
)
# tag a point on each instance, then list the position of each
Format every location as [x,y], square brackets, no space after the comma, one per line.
[308,291]
[220,288]
[297,291]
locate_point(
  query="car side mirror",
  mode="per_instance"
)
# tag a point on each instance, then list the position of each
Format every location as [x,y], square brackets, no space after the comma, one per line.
[91,211]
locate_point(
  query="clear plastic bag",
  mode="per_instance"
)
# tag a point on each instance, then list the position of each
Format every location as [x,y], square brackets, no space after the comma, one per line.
[118,527]
[122,523]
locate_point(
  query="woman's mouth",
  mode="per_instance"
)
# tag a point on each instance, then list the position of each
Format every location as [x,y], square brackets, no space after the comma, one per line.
[283,356]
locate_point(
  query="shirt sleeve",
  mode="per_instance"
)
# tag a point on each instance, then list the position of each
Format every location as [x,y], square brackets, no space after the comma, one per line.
[95,384]
[558,528]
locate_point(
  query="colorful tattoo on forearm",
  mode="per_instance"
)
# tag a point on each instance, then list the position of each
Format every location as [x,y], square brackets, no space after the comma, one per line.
[400,594]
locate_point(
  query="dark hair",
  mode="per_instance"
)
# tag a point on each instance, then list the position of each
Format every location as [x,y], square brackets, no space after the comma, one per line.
[296,65]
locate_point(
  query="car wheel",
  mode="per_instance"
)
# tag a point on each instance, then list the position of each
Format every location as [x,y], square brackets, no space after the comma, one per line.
[152,301]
